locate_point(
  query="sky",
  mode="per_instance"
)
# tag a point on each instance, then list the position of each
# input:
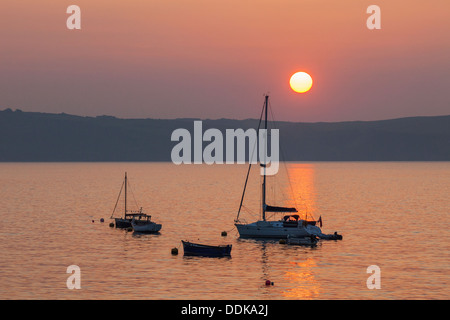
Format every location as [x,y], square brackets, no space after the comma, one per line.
[214,59]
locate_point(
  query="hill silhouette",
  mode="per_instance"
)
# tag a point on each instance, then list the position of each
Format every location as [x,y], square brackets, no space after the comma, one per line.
[33,136]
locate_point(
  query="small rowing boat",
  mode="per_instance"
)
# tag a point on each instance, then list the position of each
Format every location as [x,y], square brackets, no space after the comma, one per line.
[305,241]
[196,249]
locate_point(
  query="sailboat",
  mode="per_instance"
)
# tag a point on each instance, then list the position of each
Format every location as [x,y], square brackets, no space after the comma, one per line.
[290,225]
[133,219]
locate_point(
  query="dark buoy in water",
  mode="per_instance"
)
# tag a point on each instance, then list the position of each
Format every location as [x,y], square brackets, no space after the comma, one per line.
[174,251]
[102,220]
[224,233]
[92,221]
[269,283]
[111,225]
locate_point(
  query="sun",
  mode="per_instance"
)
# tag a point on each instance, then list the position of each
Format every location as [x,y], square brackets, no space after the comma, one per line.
[301,82]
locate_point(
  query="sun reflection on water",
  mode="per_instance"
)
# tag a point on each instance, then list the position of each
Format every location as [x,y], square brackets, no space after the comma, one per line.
[301,276]
[301,189]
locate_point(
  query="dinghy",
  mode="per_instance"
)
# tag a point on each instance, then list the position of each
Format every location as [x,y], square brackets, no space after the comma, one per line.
[305,241]
[196,249]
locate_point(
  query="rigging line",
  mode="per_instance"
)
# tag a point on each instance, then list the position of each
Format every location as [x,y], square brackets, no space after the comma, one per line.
[249,211]
[275,182]
[132,193]
[284,165]
[123,182]
[287,173]
[250,165]
[275,185]
[230,229]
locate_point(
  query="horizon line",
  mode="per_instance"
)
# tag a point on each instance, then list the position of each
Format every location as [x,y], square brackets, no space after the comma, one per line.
[17,110]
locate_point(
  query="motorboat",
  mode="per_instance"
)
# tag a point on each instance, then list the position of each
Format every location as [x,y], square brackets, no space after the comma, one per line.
[143,224]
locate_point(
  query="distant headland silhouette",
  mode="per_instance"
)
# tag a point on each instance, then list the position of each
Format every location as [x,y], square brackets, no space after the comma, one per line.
[47,137]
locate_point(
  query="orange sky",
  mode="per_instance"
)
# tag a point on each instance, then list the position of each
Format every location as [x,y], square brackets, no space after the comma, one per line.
[215,59]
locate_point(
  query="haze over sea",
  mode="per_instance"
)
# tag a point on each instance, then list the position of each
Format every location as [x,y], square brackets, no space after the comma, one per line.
[391,214]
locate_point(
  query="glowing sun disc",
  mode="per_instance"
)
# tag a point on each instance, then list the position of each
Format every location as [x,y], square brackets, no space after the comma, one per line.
[301,82]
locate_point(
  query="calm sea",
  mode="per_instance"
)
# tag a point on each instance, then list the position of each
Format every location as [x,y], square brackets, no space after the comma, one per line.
[392,215]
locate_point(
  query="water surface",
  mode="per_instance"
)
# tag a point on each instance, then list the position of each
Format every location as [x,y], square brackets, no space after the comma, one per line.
[393,215]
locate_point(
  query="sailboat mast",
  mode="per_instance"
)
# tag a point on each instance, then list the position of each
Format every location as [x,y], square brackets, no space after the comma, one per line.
[264,165]
[126,193]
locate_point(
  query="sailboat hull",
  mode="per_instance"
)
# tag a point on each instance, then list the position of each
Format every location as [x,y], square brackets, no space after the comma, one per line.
[275,230]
